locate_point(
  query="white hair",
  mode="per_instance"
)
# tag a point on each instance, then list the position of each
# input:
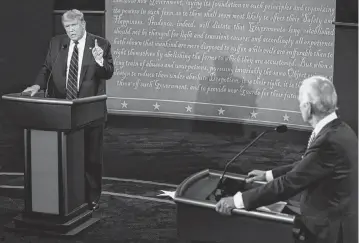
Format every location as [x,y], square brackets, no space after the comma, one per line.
[320,93]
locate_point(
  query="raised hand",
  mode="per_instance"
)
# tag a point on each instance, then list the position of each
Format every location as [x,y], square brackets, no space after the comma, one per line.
[97,52]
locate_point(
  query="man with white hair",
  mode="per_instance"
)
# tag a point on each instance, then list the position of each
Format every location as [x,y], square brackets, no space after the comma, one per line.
[77,65]
[326,175]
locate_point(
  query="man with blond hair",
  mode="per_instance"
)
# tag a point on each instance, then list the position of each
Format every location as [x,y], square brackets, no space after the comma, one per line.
[76,66]
[326,176]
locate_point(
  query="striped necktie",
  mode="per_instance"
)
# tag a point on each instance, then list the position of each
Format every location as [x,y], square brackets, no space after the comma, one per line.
[71,88]
[312,136]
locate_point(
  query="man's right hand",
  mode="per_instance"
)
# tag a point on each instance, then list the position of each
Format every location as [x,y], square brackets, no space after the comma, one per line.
[32,90]
[256,175]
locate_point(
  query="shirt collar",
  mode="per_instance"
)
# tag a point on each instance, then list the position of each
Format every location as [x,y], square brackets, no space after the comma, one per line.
[82,40]
[332,116]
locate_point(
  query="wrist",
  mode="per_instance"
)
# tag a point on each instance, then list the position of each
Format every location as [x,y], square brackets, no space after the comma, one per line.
[100,61]
[269,175]
[238,200]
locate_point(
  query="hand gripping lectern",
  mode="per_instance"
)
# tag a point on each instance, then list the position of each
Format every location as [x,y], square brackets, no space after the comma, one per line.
[54,161]
[197,219]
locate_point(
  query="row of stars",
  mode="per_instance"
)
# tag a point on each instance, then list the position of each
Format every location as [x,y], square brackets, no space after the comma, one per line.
[221,111]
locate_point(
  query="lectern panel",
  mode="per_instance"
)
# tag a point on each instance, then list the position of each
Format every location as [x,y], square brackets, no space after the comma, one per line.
[44,172]
[72,168]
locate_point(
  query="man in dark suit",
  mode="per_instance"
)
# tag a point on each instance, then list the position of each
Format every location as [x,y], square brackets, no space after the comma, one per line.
[79,64]
[326,175]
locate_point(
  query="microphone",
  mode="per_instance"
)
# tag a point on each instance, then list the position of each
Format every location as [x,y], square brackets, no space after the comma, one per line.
[64,46]
[279,129]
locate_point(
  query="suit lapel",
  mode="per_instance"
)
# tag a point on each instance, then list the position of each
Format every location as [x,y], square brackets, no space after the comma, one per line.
[63,56]
[87,57]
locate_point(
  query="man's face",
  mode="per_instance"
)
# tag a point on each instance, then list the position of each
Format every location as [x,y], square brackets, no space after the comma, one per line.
[75,29]
[304,105]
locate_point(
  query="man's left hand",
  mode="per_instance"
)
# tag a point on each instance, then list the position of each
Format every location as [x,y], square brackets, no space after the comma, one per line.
[97,52]
[225,206]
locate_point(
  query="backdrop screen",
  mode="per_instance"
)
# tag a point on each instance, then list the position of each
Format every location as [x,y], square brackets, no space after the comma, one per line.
[223,60]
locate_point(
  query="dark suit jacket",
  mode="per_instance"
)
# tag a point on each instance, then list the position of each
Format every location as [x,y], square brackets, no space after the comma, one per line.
[327,178]
[92,75]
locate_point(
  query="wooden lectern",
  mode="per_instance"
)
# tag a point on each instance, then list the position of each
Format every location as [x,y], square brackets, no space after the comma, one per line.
[54,161]
[197,219]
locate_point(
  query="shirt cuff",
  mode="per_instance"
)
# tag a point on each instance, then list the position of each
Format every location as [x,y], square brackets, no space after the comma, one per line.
[100,62]
[269,176]
[238,200]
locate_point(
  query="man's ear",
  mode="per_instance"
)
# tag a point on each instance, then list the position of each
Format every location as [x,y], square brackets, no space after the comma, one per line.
[311,107]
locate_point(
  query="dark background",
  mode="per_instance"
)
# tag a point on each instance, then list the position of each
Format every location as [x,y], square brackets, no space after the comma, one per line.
[156,149]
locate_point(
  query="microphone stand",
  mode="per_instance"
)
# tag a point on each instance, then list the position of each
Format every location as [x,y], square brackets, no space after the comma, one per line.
[220,182]
[232,187]
[235,157]
[52,68]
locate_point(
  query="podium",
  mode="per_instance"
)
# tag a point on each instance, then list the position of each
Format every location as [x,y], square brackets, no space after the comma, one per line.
[197,219]
[54,161]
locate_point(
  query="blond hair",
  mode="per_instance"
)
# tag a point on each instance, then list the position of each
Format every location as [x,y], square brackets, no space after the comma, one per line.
[73,15]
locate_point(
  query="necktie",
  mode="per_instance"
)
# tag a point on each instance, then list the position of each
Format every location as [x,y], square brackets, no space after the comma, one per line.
[71,88]
[312,136]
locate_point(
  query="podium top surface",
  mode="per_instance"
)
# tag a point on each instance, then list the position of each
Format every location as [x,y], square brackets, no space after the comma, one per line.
[21,97]
[52,114]
[195,189]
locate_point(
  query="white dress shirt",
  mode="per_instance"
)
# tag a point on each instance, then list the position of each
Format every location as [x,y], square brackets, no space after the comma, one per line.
[238,200]
[81,48]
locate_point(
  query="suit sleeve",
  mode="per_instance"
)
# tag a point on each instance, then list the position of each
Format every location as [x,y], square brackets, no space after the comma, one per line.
[106,71]
[45,69]
[281,170]
[317,164]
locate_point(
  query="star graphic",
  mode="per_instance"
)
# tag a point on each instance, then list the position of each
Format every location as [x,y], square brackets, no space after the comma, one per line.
[156,106]
[221,111]
[188,108]
[124,104]
[286,117]
[254,114]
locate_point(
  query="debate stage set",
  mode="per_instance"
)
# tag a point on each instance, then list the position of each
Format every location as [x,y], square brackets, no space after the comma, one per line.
[202,93]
